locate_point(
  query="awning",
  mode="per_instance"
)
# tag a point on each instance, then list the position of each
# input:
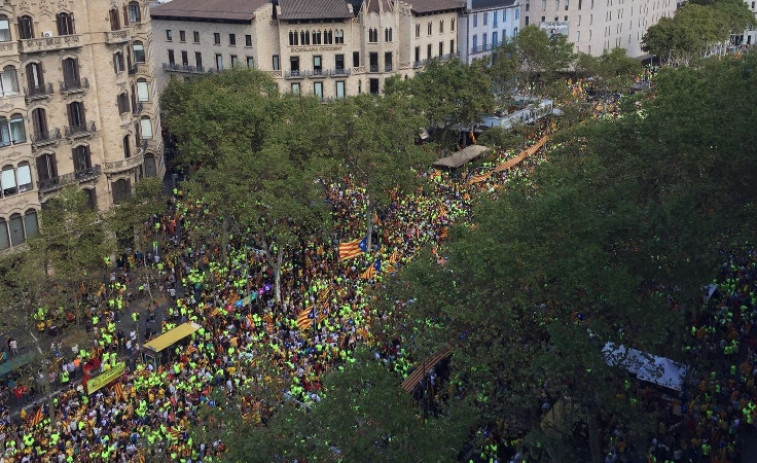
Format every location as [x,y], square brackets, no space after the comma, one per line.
[461,157]
[647,367]
[16,363]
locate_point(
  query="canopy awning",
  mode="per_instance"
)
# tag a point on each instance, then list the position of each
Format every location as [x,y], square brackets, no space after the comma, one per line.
[16,363]
[461,157]
[647,367]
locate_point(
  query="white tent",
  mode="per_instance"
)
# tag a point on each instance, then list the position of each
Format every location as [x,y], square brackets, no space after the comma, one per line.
[661,371]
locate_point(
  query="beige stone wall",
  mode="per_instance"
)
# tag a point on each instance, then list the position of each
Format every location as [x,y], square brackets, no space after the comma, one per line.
[92,46]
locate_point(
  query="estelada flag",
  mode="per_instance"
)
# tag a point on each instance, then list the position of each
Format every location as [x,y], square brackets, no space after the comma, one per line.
[119,390]
[395,257]
[38,416]
[305,319]
[268,323]
[352,248]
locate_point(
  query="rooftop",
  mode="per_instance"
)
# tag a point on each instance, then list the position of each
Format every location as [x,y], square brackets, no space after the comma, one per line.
[236,11]
[431,6]
[491,4]
[314,9]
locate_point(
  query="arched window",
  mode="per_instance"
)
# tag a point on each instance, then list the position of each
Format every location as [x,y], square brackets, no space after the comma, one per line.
[328,37]
[47,168]
[65,23]
[139,51]
[30,223]
[34,78]
[339,36]
[17,230]
[115,20]
[5,29]
[39,124]
[123,103]
[118,62]
[26,27]
[18,133]
[293,38]
[143,90]
[145,125]
[5,132]
[8,81]
[71,73]
[8,181]
[135,13]
[121,190]
[82,160]
[316,37]
[4,240]
[76,120]
[24,177]
[127,147]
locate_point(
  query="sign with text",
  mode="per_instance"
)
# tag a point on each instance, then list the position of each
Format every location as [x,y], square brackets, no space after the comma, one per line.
[555,28]
[98,382]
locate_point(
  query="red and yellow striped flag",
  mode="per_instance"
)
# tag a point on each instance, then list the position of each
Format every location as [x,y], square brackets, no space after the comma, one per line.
[249,320]
[38,416]
[305,319]
[119,391]
[369,273]
[351,249]
[395,257]
[268,319]
[478,178]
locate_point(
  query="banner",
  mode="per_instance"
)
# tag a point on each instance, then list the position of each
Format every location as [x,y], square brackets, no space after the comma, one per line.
[98,382]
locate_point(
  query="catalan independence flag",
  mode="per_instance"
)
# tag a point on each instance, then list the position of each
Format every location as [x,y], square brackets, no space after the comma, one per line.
[372,270]
[352,249]
[37,418]
[478,178]
[305,319]
[268,319]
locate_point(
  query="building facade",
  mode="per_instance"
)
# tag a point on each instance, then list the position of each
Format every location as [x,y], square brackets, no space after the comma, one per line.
[749,37]
[486,24]
[596,26]
[77,106]
[329,48]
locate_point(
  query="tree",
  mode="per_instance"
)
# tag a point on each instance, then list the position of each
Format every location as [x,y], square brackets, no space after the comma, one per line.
[503,70]
[617,70]
[541,57]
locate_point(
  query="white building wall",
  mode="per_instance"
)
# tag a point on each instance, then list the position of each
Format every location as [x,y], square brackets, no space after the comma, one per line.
[483,29]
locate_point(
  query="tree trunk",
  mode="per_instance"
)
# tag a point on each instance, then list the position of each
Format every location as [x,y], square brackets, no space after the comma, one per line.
[369,223]
[277,273]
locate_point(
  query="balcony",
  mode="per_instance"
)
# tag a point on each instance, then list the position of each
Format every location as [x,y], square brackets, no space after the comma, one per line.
[43,44]
[77,86]
[125,164]
[137,109]
[45,138]
[81,130]
[373,68]
[134,69]
[117,37]
[340,72]
[388,68]
[51,184]
[186,68]
[39,93]
[9,48]
[294,74]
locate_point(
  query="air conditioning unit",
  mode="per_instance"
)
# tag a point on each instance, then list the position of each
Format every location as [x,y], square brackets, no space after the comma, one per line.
[47,34]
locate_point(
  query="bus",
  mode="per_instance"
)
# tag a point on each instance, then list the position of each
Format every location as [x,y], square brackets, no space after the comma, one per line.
[157,351]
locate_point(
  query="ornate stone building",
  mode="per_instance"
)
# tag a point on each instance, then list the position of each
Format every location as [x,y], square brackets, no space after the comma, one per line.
[77,105]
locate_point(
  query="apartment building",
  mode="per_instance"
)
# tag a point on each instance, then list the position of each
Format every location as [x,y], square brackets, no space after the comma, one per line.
[595,26]
[749,37]
[330,48]
[77,106]
[486,24]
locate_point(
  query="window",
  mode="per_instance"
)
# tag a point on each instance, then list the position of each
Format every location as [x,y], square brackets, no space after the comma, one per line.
[441,26]
[30,220]
[121,190]
[139,52]
[486,18]
[388,61]
[169,35]
[495,17]
[8,181]
[250,62]
[296,88]
[8,81]
[430,27]
[317,36]
[115,20]
[417,54]
[275,62]
[71,73]
[452,46]
[145,125]
[234,61]
[198,60]
[247,40]
[441,48]
[34,78]
[294,65]
[17,227]
[355,59]
[182,36]
[517,14]
[184,58]
[475,19]
[65,22]
[495,39]
[475,43]
[232,39]
[318,89]
[452,23]
[526,20]
[12,132]
[216,38]
[504,16]
[25,27]
[294,38]
[123,103]
[388,34]
[82,160]
[196,37]
[484,41]
[47,168]
[328,37]
[304,38]
[219,62]
[372,35]
[428,51]
[76,119]
[4,241]
[127,146]
[39,124]
[338,36]
[417,30]
[118,62]
[339,62]
[135,14]
[143,90]
[5,29]
[24,177]
[317,64]
[171,59]
[340,89]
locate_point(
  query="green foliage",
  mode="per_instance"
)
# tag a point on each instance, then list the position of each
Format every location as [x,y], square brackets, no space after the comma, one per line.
[146,201]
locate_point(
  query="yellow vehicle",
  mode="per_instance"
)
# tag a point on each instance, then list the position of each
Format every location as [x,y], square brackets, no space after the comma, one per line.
[157,351]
